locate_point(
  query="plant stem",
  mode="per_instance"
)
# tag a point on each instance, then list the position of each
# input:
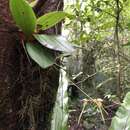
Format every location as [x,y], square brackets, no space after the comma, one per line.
[117,42]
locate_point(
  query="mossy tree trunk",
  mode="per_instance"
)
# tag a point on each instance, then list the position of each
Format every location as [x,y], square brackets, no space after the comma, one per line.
[27,92]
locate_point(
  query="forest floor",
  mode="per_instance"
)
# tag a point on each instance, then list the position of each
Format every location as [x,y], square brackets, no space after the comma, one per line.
[90,120]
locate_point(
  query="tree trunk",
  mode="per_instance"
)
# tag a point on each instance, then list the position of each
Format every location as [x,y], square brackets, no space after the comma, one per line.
[88,62]
[27,92]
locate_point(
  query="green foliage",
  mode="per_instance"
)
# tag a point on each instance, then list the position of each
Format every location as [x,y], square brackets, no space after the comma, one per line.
[60,113]
[25,18]
[58,43]
[50,19]
[40,55]
[23,15]
[59,119]
[94,27]
[122,119]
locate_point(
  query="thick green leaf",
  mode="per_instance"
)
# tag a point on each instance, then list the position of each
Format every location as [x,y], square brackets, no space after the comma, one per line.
[122,119]
[23,15]
[50,19]
[40,55]
[55,42]
[60,111]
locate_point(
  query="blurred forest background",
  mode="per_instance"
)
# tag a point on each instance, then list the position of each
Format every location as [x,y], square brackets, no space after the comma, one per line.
[100,66]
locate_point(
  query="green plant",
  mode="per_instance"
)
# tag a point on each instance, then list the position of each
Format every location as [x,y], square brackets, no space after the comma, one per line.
[60,112]
[122,119]
[30,26]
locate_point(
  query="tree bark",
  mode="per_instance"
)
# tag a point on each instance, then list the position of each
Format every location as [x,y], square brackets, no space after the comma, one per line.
[27,92]
[88,62]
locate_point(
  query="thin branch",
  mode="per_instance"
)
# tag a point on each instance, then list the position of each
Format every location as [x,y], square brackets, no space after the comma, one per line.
[117,42]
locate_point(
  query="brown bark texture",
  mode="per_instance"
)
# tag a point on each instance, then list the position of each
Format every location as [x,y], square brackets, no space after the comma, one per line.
[27,92]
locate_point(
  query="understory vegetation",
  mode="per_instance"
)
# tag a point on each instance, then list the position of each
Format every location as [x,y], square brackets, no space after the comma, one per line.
[99,70]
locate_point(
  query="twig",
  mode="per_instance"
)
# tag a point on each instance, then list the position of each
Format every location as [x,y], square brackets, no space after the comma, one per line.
[117,42]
